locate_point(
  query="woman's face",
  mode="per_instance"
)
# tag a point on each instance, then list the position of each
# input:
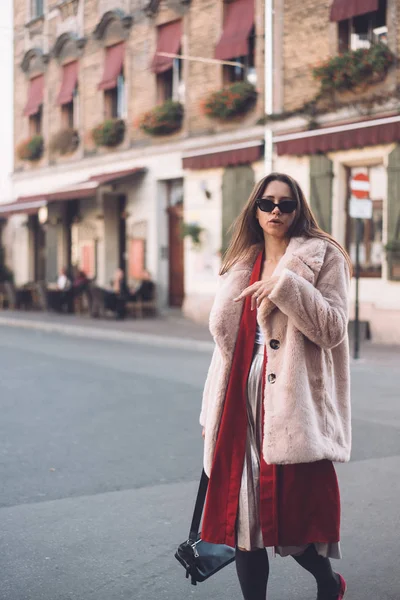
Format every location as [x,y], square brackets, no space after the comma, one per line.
[276,223]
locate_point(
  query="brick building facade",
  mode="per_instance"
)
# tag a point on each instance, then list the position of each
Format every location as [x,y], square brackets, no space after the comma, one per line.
[88,196]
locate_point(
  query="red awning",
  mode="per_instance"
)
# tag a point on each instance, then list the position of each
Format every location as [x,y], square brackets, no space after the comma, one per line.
[238,24]
[168,40]
[227,158]
[88,188]
[69,83]
[78,191]
[365,135]
[116,175]
[346,9]
[29,205]
[113,65]
[35,96]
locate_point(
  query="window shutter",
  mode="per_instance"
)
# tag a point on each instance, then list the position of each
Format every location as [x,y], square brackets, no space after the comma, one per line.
[321,175]
[237,185]
[393,213]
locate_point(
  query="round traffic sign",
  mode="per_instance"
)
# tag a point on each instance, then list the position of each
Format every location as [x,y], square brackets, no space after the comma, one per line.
[360,185]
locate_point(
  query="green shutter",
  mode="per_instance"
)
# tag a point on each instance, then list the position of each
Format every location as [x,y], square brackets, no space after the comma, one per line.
[393,214]
[321,177]
[237,185]
[394,195]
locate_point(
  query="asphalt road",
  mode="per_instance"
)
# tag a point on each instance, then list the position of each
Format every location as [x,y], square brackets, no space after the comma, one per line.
[100,453]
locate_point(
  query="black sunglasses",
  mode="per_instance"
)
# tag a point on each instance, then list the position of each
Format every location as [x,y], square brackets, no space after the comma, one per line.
[286,206]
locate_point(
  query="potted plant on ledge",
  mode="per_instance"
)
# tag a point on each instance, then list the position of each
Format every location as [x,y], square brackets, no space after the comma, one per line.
[354,68]
[31,149]
[163,119]
[65,142]
[232,101]
[193,231]
[393,259]
[111,133]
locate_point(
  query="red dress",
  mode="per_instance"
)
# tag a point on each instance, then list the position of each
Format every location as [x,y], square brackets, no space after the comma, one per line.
[299,504]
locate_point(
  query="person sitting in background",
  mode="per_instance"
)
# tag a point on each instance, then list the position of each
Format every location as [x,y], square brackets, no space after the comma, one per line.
[145,289]
[63,281]
[62,297]
[115,300]
[81,289]
[80,282]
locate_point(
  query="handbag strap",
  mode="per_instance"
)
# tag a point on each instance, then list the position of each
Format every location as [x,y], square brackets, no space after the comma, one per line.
[198,508]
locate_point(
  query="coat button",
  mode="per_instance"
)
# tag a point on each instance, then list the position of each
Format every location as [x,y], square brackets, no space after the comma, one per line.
[271,378]
[275,344]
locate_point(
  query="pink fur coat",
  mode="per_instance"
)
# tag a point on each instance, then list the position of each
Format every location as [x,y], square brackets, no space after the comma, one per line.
[304,322]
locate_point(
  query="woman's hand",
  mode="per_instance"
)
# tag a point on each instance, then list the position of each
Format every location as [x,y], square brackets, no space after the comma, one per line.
[258,291]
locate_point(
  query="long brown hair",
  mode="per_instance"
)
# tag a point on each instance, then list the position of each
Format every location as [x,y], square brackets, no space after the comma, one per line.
[247,232]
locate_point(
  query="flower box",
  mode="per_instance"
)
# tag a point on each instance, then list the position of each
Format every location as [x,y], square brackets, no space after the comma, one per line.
[31,149]
[354,68]
[65,141]
[234,100]
[110,133]
[163,120]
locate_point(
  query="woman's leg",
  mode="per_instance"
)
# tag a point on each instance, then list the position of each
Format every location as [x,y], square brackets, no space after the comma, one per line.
[327,580]
[253,569]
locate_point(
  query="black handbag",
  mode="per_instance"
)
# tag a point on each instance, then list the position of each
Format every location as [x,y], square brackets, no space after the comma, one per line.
[201,559]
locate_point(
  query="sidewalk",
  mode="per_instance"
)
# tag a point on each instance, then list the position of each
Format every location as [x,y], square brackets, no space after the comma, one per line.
[171,330]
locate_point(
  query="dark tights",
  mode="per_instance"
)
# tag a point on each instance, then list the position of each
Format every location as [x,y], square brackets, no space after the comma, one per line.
[328,582]
[253,570]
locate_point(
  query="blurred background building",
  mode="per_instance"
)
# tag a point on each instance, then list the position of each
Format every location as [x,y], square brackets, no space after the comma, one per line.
[128,156]
[102,176]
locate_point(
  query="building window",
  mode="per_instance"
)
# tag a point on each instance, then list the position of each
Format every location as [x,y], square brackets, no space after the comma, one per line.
[371,247]
[170,84]
[364,30]
[37,8]
[35,123]
[115,100]
[67,115]
[245,73]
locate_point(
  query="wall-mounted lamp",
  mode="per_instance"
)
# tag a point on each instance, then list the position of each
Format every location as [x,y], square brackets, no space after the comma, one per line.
[43,215]
[204,188]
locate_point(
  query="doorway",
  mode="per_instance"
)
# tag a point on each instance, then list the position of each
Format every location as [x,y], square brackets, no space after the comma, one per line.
[39,248]
[176,286]
[122,255]
[71,219]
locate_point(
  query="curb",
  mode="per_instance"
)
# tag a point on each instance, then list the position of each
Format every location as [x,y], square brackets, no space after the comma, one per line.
[108,335]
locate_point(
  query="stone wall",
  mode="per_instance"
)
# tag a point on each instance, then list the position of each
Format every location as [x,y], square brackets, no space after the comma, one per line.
[309,38]
[305,43]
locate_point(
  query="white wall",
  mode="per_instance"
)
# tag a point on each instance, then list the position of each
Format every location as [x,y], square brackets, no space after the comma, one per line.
[297,167]
[202,264]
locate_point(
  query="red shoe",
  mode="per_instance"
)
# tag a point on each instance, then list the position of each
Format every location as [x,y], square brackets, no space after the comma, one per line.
[343,587]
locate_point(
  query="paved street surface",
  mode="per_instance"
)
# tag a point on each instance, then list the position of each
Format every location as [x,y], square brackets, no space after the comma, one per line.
[100,453]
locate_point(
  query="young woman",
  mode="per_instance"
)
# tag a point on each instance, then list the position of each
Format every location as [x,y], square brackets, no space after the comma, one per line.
[276,407]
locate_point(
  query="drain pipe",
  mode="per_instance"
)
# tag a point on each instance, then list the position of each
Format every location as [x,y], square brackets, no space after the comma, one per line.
[268,81]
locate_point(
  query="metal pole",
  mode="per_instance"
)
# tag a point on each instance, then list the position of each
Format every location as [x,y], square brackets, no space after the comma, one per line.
[268,82]
[357,307]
